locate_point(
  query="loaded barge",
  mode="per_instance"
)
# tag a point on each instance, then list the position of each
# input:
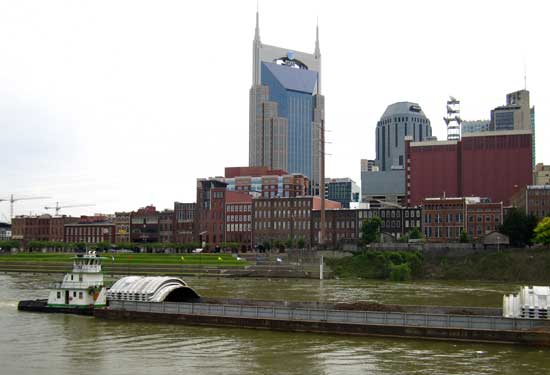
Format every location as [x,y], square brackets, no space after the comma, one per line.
[170,300]
[144,299]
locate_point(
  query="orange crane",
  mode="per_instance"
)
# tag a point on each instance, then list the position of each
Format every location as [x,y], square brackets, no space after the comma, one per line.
[58,207]
[12,200]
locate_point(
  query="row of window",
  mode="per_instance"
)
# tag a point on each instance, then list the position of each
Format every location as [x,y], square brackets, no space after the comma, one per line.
[231,218]
[283,203]
[238,207]
[86,231]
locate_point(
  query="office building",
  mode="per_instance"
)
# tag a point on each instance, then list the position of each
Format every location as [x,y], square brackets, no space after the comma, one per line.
[387,184]
[166,226]
[90,232]
[286,109]
[476,126]
[343,190]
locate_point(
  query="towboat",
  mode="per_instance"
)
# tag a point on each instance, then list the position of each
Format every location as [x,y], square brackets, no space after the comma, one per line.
[80,292]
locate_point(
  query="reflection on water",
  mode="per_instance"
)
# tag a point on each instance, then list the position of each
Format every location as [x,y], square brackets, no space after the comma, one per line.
[32,343]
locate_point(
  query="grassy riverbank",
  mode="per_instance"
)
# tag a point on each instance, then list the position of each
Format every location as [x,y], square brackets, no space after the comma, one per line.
[133,259]
[528,266]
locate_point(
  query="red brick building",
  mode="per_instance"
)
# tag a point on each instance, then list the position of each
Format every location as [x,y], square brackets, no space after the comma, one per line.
[238,219]
[210,212]
[444,219]
[144,225]
[488,164]
[184,223]
[284,218]
[265,182]
[41,228]
[533,200]
[90,232]
[166,226]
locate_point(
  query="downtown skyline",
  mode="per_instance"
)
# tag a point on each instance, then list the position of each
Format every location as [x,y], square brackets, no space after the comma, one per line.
[112,105]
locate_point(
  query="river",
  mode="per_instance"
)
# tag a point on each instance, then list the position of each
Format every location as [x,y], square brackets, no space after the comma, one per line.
[33,343]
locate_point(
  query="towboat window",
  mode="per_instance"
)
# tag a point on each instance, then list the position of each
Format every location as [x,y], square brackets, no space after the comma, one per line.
[79,295]
[71,277]
[58,295]
[74,294]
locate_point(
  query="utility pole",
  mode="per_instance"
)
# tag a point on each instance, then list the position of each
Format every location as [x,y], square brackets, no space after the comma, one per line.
[322,187]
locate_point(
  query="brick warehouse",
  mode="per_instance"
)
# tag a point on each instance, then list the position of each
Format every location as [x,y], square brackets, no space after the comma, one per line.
[489,164]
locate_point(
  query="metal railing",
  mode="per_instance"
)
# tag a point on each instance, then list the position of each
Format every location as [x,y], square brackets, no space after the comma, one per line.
[76,284]
[332,316]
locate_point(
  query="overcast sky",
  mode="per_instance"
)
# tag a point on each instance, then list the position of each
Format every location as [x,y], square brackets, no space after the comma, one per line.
[125,103]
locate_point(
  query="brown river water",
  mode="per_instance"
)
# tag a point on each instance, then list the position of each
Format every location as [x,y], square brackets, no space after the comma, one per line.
[34,343]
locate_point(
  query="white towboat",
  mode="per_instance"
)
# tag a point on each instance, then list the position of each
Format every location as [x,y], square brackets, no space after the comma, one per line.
[80,292]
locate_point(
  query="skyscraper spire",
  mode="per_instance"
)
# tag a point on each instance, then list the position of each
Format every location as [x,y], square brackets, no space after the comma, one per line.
[257,31]
[317,50]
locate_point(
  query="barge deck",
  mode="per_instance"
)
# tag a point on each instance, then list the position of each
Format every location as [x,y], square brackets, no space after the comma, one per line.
[425,325]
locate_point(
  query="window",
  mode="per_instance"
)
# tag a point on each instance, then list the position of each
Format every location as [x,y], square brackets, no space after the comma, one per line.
[80,295]
[58,295]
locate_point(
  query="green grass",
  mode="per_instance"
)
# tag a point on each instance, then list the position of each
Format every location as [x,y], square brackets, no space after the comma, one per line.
[133,259]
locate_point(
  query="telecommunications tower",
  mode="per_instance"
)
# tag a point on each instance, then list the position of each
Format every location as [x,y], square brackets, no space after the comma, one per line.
[453,119]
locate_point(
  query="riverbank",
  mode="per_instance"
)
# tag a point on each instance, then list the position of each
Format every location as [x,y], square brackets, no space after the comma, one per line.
[511,265]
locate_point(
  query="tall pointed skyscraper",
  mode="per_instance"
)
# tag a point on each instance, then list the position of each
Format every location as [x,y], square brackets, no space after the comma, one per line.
[286,109]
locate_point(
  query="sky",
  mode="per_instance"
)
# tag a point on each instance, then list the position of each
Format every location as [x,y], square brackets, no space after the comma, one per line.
[121,104]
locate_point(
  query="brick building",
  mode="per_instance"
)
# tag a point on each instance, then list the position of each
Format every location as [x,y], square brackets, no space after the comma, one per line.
[533,199]
[238,219]
[184,222]
[122,227]
[57,227]
[166,226]
[210,212]
[90,232]
[344,226]
[284,218]
[444,218]
[489,164]
[265,182]
[31,228]
[144,225]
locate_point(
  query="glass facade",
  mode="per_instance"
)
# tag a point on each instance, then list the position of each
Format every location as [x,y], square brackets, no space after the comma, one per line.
[297,107]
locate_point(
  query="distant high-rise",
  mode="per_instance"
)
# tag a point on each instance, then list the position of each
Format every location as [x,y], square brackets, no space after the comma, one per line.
[384,183]
[398,121]
[286,109]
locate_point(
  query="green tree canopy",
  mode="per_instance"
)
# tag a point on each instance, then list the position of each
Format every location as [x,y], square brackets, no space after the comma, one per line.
[542,232]
[518,227]
[370,230]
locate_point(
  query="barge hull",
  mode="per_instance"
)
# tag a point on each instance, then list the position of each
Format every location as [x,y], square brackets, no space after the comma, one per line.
[41,305]
[530,337]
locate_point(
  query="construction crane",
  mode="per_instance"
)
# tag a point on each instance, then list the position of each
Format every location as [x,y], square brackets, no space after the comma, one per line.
[58,207]
[12,200]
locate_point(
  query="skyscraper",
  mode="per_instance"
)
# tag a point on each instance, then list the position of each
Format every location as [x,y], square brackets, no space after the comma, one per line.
[286,109]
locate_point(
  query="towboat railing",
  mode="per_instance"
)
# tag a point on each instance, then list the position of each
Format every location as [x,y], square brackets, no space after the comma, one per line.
[333,316]
[76,284]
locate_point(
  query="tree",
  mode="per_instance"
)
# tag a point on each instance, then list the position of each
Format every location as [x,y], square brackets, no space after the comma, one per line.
[415,234]
[542,232]
[370,230]
[289,243]
[301,242]
[519,227]
[464,238]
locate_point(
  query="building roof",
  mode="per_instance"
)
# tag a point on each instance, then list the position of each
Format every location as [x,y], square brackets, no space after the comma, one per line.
[237,197]
[403,108]
[294,79]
